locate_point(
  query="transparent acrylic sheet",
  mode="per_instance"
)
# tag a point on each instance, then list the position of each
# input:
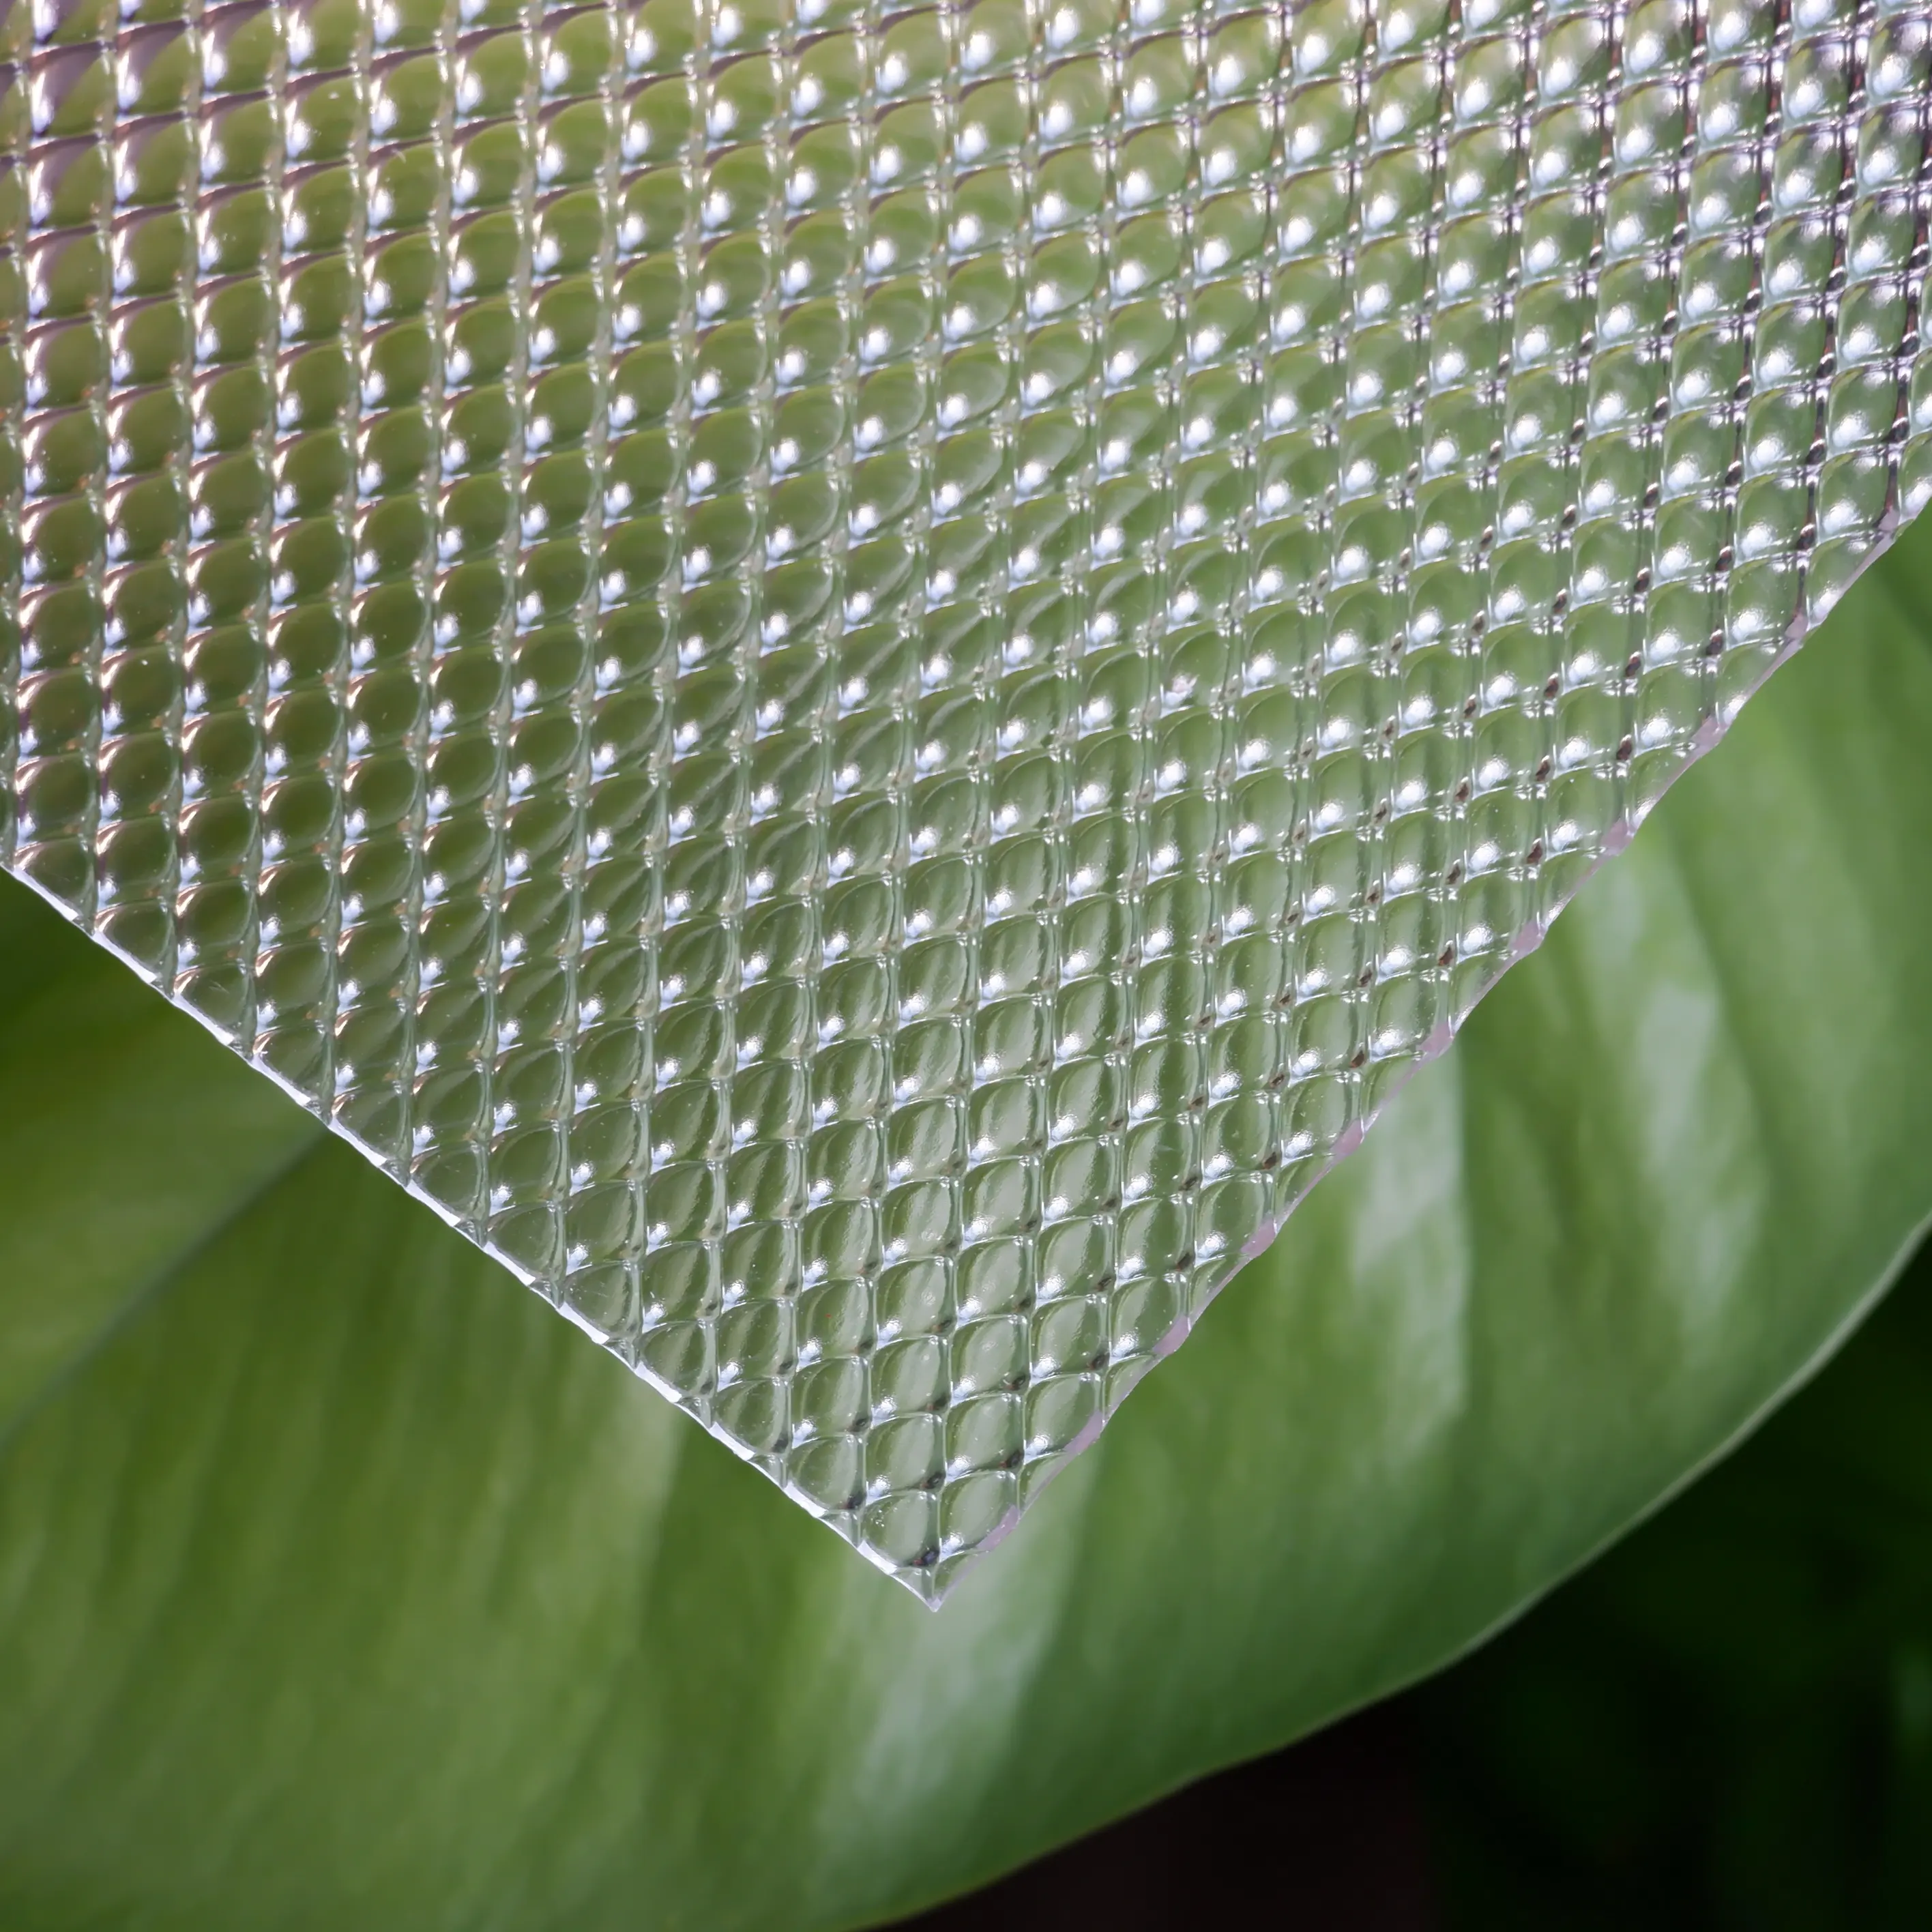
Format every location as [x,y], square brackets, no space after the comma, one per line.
[856,681]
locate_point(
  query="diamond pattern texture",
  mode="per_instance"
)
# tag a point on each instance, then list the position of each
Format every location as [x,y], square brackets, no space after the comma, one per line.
[856,680]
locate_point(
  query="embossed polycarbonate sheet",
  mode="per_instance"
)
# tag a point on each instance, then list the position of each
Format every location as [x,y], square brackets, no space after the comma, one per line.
[857,680]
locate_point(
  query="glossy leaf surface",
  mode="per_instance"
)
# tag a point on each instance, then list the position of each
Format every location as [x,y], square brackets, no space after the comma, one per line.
[1726,1725]
[340,1584]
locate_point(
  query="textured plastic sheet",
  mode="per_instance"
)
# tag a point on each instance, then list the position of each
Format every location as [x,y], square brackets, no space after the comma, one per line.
[856,681]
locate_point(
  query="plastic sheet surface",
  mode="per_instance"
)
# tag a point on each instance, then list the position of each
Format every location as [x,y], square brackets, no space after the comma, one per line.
[856,681]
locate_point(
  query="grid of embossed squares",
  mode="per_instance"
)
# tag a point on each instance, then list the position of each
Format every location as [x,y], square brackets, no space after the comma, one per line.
[923,297]
[854,680]
[313,342]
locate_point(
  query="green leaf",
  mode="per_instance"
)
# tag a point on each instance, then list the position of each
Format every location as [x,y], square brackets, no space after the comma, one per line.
[1726,1726]
[341,1584]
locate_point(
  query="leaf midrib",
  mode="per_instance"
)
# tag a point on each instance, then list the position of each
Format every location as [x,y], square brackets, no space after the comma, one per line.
[151,1291]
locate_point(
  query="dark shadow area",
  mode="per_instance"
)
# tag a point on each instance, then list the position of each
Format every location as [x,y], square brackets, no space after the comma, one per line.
[1724,1726]
[1330,1833]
